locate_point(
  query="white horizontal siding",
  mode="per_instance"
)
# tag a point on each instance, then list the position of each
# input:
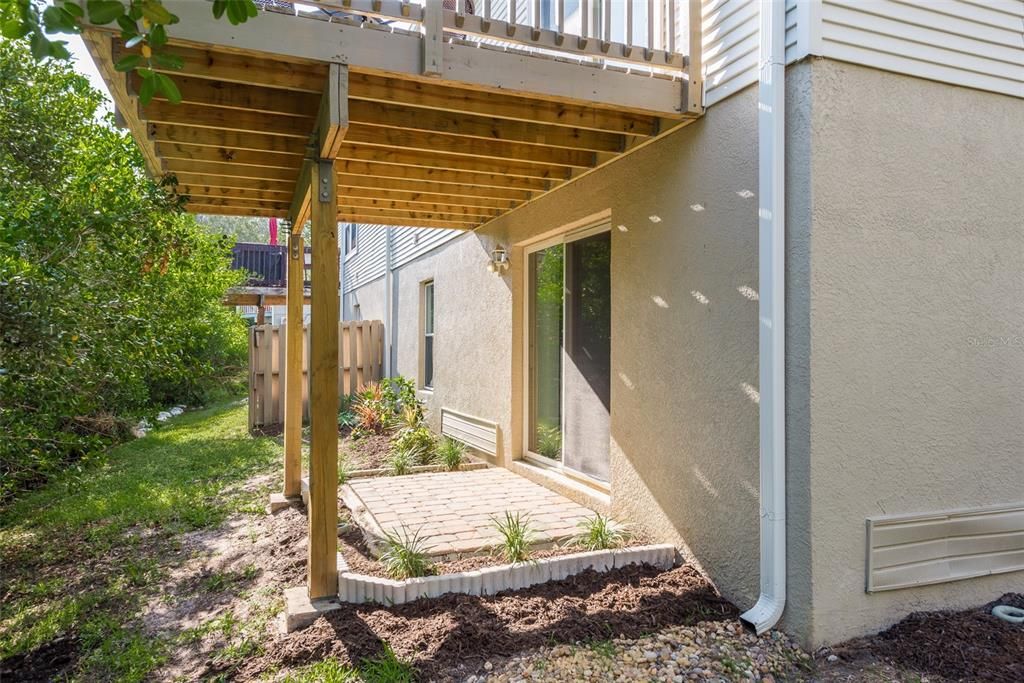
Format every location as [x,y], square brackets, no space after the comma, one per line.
[974,44]
[731,43]
[367,264]
[411,243]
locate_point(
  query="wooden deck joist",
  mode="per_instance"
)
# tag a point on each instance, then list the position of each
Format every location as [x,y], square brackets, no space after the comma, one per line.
[455,151]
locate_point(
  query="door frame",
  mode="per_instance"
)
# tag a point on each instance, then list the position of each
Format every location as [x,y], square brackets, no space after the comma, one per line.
[594,227]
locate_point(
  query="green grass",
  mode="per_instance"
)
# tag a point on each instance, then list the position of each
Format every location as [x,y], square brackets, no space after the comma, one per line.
[80,554]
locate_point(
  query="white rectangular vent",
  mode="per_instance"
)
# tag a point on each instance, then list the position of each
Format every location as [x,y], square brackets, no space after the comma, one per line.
[475,432]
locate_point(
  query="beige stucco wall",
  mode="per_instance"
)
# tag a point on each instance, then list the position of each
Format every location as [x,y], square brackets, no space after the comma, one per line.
[684,416]
[915,297]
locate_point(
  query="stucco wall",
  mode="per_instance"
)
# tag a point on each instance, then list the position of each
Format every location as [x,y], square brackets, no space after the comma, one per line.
[916,305]
[684,414]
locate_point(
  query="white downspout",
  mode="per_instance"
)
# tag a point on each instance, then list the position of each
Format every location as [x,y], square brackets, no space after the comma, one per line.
[771,134]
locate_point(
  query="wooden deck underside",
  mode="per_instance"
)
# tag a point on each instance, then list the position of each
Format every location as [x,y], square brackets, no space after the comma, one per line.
[416,151]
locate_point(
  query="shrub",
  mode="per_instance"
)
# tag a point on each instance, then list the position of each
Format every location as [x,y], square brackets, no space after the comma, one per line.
[599,533]
[516,536]
[405,555]
[450,453]
[399,462]
[380,406]
[417,442]
[371,411]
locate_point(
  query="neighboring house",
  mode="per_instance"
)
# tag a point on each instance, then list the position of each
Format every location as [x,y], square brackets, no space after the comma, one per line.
[618,355]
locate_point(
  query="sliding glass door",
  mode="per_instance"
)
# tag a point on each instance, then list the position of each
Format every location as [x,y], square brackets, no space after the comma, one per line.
[569,346]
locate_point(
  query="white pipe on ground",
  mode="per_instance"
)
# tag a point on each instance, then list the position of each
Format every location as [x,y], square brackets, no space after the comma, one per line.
[771,134]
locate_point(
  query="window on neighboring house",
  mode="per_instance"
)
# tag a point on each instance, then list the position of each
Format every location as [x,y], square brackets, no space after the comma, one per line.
[351,239]
[427,363]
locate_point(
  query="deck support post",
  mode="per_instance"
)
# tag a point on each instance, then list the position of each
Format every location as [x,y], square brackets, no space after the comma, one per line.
[294,344]
[322,568]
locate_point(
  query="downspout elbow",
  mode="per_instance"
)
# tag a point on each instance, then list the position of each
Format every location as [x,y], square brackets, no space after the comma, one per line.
[765,613]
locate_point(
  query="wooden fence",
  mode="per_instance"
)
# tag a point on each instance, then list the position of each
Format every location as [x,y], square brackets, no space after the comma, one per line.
[360,359]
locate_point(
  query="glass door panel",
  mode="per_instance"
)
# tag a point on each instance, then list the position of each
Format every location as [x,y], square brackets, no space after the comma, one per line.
[546,291]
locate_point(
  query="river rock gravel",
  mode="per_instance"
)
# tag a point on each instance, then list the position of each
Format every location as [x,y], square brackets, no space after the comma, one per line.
[708,651]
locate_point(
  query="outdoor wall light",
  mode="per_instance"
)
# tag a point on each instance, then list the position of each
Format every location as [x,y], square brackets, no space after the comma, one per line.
[499,260]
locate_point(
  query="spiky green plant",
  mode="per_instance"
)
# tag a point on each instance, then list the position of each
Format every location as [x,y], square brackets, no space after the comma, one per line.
[549,441]
[516,536]
[387,668]
[599,533]
[418,442]
[405,555]
[400,462]
[450,453]
[344,471]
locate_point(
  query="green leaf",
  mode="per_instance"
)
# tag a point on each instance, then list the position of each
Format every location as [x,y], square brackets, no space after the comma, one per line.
[104,11]
[14,29]
[39,46]
[168,88]
[146,73]
[250,8]
[218,8]
[74,9]
[128,62]
[148,88]
[128,27]
[156,12]
[59,20]
[168,61]
[58,50]
[158,36]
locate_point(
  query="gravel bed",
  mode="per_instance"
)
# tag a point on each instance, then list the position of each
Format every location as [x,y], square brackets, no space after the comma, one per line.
[707,651]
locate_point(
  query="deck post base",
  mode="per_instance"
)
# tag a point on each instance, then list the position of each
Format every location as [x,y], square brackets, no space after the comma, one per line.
[300,611]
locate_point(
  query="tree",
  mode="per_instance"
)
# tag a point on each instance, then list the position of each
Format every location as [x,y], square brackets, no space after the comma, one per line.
[109,293]
[143,24]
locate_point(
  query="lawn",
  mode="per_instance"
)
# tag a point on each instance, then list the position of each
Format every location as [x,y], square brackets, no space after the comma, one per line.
[82,555]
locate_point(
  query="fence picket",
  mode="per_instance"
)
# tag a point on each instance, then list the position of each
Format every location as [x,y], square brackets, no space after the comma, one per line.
[360,360]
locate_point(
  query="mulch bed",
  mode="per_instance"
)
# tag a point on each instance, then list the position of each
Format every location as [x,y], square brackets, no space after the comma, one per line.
[365,453]
[49,662]
[971,645]
[353,548]
[447,636]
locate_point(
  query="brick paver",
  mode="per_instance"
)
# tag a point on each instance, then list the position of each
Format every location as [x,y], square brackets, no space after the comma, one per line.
[453,510]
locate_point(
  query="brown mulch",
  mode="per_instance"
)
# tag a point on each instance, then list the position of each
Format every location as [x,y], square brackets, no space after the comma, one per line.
[367,452]
[353,548]
[447,636]
[971,645]
[50,661]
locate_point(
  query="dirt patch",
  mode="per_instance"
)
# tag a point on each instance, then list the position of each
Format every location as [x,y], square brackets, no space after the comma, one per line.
[447,636]
[367,452]
[51,661]
[971,645]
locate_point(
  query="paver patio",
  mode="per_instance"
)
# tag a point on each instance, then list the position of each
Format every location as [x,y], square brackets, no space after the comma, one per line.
[453,510]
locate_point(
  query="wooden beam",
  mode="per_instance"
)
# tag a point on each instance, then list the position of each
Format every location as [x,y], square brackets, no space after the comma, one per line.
[332,122]
[207,137]
[392,169]
[381,213]
[245,157]
[212,210]
[248,69]
[230,192]
[384,115]
[425,158]
[294,347]
[237,96]
[474,212]
[406,222]
[351,193]
[240,297]
[222,119]
[375,88]
[299,209]
[241,203]
[440,143]
[231,170]
[402,185]
[323,387]
[231,183]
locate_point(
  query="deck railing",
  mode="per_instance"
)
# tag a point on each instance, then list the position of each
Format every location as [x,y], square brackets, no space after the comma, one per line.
[267,264]
[647,32]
